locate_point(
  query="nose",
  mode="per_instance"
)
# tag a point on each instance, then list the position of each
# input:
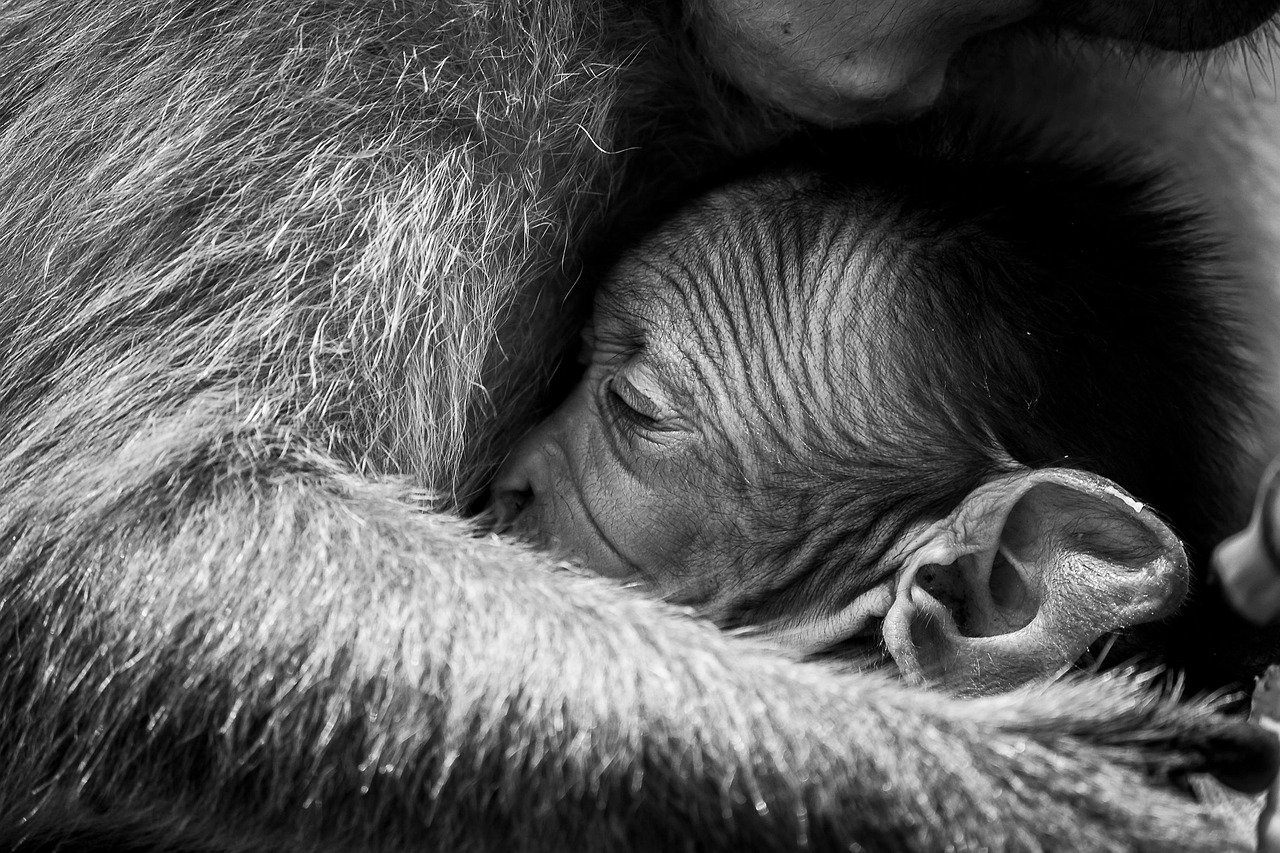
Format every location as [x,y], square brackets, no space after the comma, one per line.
[509,496]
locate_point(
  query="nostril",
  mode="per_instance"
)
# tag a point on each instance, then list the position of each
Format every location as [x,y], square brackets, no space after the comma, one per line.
[519,499]
[508,504]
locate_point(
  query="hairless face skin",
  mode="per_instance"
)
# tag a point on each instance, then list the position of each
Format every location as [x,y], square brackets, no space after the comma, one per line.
[710,364]
[784,426]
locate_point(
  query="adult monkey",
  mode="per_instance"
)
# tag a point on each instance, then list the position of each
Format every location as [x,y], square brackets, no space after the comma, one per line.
[262,269]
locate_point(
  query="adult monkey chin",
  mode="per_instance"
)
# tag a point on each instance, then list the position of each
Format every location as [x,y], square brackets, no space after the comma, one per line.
[266,275]
[840,62]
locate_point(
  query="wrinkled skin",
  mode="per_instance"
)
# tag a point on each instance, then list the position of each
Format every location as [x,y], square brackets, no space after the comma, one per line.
[643,472]
[662,456]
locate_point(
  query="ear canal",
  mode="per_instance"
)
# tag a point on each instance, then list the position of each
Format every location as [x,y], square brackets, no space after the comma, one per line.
[1024,575]
[981,600]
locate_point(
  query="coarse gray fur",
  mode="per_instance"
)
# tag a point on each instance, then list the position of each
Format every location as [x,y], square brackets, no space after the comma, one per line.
[265,268]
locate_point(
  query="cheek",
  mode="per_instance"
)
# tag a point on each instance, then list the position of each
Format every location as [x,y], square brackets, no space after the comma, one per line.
[624,509]
[666,524]
[649,523]
[578,499]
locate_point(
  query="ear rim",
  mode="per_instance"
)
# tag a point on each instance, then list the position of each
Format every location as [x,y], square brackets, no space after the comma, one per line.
[921,636]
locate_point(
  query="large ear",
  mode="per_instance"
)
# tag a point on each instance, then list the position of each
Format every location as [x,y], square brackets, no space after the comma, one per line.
[1024,575]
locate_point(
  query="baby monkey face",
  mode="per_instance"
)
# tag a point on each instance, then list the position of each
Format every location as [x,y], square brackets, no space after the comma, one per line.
[649,470]
[788,421]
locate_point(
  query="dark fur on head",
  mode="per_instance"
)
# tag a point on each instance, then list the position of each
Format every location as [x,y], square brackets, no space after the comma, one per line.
[1036,312]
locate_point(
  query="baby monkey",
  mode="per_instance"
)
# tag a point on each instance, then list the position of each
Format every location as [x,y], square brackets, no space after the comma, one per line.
[883,410]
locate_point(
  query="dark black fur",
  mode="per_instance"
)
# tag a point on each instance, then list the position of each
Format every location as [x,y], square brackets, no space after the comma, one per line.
[1074,312]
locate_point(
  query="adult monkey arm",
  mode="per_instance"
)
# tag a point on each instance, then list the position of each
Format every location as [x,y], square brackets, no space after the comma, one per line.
[454,709]
[257,266]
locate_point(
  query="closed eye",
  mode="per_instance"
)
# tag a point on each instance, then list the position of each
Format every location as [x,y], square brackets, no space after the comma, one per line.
[629,404]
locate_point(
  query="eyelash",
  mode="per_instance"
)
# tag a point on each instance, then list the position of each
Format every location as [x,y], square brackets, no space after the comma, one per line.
[624,413]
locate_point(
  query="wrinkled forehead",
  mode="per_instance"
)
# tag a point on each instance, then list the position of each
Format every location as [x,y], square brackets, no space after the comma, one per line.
[765,291]
[753,261]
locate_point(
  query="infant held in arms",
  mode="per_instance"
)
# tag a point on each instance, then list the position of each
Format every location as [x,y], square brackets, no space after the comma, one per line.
[820,404]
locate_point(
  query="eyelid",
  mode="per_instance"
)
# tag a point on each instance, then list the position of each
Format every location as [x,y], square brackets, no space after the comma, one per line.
[642,391]
[634,398]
